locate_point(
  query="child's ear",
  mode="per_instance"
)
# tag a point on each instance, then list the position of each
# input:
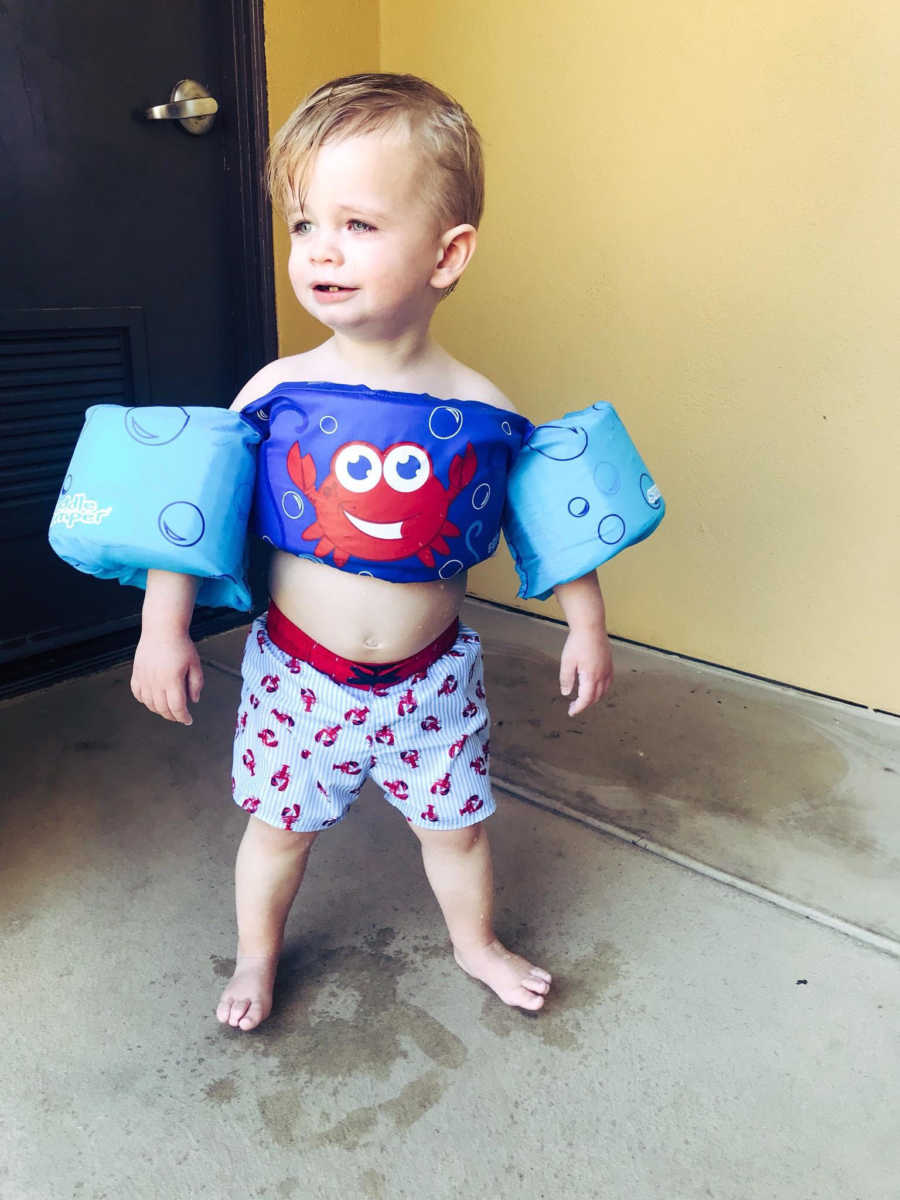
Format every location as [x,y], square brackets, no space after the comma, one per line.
[456,249]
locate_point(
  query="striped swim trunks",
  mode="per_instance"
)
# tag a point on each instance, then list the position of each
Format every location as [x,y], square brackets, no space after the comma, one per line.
[306,740]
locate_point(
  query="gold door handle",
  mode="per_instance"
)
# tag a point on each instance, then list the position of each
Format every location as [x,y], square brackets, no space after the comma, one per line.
[190,103]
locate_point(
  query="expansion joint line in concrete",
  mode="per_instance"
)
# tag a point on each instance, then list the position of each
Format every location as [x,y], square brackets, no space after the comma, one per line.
[859,933]
[234,672]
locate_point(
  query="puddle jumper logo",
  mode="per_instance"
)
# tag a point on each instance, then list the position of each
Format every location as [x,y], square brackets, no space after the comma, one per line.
[77,509]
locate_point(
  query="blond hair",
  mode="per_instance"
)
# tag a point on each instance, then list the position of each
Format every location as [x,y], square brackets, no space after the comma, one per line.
[358,104]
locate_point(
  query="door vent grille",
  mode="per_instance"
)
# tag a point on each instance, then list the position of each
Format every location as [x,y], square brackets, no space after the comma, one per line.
[46,383]
[52,368]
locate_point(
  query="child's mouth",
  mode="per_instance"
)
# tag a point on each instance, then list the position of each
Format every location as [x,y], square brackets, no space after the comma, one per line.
[331,287]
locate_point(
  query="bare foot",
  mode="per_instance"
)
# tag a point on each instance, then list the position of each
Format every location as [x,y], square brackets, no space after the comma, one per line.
[247,1000]
[512,977]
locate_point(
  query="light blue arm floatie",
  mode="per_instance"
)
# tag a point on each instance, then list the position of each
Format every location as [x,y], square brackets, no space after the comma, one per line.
[578,493]
[160,487]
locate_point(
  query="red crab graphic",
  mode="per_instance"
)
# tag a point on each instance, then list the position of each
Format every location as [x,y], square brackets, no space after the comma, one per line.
[381,505]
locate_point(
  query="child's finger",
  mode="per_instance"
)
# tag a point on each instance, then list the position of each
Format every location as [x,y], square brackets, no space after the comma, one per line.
[176,703]
[195,681]
[566,679]
[587,694]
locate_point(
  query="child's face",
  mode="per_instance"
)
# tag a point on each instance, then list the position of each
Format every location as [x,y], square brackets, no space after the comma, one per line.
[367,229]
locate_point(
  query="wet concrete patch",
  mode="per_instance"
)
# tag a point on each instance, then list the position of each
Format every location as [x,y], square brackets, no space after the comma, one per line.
[339,1026]
[790,792]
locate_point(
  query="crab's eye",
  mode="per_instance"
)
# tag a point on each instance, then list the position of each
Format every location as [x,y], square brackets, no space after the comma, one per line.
[357,467]
[406,468]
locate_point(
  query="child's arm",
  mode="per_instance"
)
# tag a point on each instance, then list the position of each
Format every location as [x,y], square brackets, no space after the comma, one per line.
[167,666]
[587,651]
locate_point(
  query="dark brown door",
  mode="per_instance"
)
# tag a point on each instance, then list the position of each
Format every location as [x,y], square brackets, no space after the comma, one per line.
[134,262]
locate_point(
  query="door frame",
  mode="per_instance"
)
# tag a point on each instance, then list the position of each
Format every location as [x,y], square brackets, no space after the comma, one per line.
[250,215]
[252,306]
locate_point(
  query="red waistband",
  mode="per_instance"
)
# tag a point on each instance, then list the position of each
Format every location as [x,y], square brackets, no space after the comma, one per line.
[292,640]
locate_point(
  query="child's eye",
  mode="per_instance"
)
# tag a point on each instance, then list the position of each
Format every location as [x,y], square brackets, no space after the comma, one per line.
[301,227]
[360,227]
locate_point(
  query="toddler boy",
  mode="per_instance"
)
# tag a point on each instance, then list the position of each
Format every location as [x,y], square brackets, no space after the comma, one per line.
[351,673]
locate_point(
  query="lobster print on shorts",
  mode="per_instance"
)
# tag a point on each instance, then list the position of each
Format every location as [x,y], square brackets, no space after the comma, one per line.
[303,755]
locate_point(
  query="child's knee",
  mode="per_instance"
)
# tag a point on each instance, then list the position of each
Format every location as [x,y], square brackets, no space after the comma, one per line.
[453,841]
[276,840]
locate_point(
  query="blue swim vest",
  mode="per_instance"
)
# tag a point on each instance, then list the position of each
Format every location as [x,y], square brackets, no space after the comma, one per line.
[401,486]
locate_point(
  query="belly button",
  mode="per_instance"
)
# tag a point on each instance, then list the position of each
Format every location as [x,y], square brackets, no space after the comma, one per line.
[371,643]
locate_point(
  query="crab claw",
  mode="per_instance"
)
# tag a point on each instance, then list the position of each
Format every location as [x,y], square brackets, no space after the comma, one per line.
[462,470]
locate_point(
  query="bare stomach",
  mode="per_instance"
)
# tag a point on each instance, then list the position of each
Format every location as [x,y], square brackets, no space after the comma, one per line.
[363,619]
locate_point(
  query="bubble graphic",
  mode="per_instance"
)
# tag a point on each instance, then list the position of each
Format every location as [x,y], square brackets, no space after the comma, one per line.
[328,424]
[368,574]
[611,529]
[266,538]
[155,426]
[607,478]
[507,428]
[481,495]
[292,505]
[451,567]
[181,523]
[445,422]
[650,492]
[578,506]
[559,442]
[474,531]
[67,483]
[299,419]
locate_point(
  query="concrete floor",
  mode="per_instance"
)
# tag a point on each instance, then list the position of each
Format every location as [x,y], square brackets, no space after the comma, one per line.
[700,1041]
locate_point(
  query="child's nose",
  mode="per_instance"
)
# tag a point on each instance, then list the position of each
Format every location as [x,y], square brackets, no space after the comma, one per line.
[324,248]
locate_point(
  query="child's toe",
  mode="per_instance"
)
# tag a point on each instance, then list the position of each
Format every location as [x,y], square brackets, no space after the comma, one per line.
[530,1000]
[533,984]
[251,1018]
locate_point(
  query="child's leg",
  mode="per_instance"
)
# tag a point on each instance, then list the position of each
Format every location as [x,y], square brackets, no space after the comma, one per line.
[458,866]
[268,873]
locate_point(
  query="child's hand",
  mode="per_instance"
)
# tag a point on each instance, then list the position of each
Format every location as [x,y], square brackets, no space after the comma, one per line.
[166,672]
[587,654]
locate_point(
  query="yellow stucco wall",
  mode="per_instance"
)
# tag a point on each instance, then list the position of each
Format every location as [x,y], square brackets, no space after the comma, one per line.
[691,213]
[307,44]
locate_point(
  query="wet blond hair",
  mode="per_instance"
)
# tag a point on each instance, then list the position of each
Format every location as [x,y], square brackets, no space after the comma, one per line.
[357,104]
